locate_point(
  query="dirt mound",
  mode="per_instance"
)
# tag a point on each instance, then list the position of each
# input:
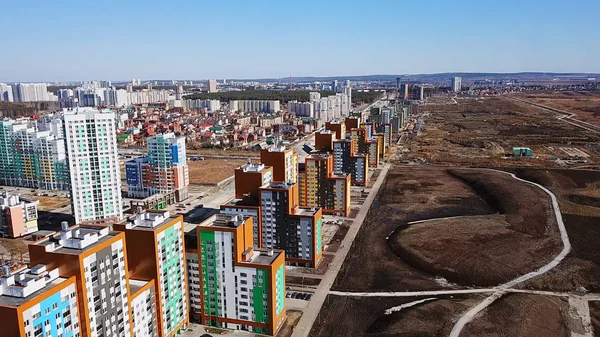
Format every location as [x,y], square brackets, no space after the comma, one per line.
[485,250]
[472,250]
[522,315]
[406,195]
[584,200]
[528,209]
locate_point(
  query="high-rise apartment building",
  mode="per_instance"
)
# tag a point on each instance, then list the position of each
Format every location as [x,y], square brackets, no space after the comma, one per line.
[232,284]
[18,216]
[37,302]
[90,138]
[345,159]
[337,126]
[321,187]
[304,109]
[97,258]
[286,226]
[211,85]
[283,161]
[33,159]
[32,92]
[143,308]
[269,106]
[6,93]
[163,171]
[324,140]
[155,245]
[455,83]
[248,180]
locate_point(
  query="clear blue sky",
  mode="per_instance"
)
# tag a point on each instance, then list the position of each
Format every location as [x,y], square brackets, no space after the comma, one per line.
[198,39]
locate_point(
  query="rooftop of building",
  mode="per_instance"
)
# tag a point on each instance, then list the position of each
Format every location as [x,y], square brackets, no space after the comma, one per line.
[279,185]
[327,132]
[248,201]
[262,256]
[21,286]
[148,220]
[277,148]
[77,239]
[251,167]
[318,155]
[136,285]
[339,175]
[306,211]
[221,220]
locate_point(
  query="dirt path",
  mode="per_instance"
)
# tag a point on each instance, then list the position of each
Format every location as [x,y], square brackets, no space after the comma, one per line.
[470,315]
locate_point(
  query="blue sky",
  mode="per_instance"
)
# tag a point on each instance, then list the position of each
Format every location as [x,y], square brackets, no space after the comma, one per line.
[83,40]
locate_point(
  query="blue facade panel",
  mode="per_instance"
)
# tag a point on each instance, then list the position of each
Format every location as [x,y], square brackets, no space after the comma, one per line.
[52,307]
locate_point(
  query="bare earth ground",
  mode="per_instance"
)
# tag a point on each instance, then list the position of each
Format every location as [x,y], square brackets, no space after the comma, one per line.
[50,203]
[478,133]
[212,171]
[581,268]
[365,316]
[407,195]
[585,105]
[522,315]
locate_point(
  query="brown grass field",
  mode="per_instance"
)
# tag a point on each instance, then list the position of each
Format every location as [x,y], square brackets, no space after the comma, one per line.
[212,171]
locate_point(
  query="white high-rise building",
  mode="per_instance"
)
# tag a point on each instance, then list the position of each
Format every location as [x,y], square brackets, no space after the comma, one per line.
[456,83]
[90,136]
[32,92]
[6,93]
[212,85]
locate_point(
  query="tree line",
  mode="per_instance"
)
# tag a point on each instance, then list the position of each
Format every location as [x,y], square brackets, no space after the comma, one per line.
[281,95]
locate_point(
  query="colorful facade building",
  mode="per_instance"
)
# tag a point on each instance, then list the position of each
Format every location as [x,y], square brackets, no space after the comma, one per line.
[164,171]
[143,308]
[94,168]
[321,187]
[237,286]
[33,159]
[155,245]
[287,226]
[38,302]
[345,159]
[97,258]
[337,126]
[18,216]
[283,161]
[324,140]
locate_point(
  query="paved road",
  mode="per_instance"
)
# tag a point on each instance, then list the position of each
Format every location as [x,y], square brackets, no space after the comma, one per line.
[310,314]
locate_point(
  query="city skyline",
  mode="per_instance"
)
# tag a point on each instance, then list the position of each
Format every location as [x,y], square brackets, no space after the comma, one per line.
[276,40]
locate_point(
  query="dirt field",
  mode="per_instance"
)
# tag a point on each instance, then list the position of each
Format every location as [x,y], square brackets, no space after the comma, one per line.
[479,132]
[407,195]
[522,315]
[212,171]
[49,204]
[293,316]
[365,316]
[585,105]
[581,268]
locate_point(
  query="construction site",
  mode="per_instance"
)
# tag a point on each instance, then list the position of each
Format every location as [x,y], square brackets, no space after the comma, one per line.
[486,225]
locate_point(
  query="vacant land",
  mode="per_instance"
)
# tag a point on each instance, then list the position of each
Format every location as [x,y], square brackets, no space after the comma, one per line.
[585,104]
[522,315]
[479,132]
[576,191]
[407,195]
[366,316]
[50,204]
[212,171]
